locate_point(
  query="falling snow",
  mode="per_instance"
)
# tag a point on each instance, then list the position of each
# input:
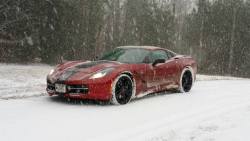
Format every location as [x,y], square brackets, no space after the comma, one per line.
[36,35]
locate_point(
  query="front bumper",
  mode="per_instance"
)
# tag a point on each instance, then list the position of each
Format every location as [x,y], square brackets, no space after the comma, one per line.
[92,91]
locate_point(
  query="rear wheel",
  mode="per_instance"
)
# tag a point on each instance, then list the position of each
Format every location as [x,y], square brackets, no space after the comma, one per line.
[186,81]
[122,90]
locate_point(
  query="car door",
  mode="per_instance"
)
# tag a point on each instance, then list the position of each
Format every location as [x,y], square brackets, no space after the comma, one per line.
[172,68]
[162,74]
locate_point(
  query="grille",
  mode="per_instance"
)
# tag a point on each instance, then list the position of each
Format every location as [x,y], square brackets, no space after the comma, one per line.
[77,89]
[71,89]
[50,86]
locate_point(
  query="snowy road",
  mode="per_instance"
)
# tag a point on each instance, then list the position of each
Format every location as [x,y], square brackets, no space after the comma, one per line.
[214,111]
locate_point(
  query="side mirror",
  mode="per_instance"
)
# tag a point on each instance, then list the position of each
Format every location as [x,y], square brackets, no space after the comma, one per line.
[158,61]
[96,58]
[176,58]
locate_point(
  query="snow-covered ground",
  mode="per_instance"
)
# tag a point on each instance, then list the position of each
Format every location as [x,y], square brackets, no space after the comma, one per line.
[215,110]
[20,81]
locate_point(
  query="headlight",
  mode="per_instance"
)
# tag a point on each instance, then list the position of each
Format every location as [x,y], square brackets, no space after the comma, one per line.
[52,71]
[101,73]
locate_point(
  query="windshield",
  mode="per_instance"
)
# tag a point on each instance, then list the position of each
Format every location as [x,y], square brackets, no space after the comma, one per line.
[132,55]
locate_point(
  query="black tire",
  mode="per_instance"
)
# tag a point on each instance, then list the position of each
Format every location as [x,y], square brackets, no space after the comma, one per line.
[122,90]
[186,81]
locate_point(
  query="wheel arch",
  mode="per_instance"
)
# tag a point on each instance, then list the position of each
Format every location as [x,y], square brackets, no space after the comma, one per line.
[130,75]
[190,68]
[184,69]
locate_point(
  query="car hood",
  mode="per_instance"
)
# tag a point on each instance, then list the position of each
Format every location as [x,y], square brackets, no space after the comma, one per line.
[80,70]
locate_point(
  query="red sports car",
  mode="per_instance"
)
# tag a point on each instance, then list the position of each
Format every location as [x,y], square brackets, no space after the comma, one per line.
[123,74]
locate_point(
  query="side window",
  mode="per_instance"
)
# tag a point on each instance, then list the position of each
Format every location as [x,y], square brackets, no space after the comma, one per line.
[170,54]
[158,54]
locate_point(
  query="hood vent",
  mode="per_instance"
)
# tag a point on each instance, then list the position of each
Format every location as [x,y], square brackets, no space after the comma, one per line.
[90,64]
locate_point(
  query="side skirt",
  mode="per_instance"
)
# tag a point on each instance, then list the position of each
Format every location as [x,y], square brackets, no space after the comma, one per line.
[169,87]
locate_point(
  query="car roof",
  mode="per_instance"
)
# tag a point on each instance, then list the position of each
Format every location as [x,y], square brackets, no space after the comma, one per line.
[141,47]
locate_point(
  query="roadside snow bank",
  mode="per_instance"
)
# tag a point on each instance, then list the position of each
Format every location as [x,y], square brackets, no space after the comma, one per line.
[19,81]
[214,77]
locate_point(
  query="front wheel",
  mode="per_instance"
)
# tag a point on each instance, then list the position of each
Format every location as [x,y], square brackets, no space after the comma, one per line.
[186,80]
[122,90]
